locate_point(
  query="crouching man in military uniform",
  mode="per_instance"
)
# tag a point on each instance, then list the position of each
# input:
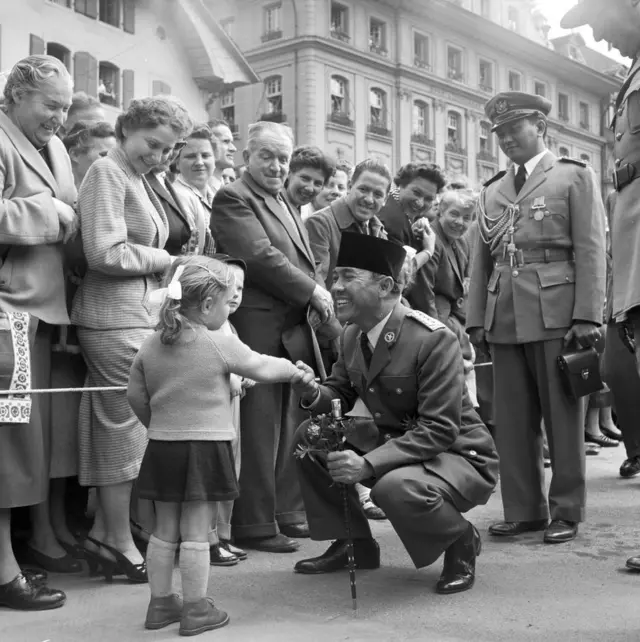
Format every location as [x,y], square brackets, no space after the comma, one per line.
[537,287]
[424,451]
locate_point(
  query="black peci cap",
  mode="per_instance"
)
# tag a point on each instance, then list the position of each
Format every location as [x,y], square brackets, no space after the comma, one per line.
[370,253]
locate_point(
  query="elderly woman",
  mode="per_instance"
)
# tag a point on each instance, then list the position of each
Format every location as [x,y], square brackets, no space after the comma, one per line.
[124,229]
[36,216]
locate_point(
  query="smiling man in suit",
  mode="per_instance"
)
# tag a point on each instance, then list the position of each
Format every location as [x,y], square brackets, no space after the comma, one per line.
[537,287]
[424,451]
[252,220]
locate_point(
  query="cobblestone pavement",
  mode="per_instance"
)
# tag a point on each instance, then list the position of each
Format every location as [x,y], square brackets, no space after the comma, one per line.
[525,590]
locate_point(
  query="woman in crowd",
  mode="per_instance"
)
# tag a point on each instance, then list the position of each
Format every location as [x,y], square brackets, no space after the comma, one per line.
[83,108]
[309,171]
[85,143]
[194,167]
[36,217]
[334,188]
[124,229]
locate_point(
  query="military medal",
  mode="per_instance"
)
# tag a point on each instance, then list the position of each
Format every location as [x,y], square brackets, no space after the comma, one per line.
[389,337]
[538,207]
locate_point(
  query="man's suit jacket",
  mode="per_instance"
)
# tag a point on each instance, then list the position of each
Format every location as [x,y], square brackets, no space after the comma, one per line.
[122,234]
[248,223]
[398,227]
[559,208]
[415,392]
[325,229]
[31,252]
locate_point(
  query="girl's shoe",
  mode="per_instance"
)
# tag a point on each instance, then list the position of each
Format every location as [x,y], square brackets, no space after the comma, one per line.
[65,564]
[234,550]
[201,616]
[221,556]
[163,611]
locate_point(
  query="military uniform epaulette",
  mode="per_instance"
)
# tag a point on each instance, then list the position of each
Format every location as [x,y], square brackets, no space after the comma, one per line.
[426,320]
[493,179]
[575,161]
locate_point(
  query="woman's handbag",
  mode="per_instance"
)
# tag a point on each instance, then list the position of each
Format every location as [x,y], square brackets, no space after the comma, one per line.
[580,372]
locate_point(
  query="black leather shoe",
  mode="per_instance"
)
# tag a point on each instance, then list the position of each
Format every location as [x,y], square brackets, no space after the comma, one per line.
[601,440]
[509,529]
[23,595]
[35,575]
[459,570]
[298,531]
[366,554]
[630,467]
[633,564]
[277,544]
[560,531]
[221,556]
[64,564]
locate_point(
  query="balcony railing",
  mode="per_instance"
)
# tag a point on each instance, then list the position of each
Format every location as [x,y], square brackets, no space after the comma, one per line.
[485,87]
[564,117]
[486,156]
[338,34]
[378,129]
[455,74]
[340,118]
[422,139]
[274,117]
[455,148]
[272,35]
[378,49]
[584,125]
[422,63]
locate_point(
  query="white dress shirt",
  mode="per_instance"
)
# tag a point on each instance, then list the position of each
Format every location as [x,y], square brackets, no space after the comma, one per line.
[531,164]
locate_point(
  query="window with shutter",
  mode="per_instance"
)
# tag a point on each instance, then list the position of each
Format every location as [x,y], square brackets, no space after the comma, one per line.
[129,16]
[158,87]
[127,88]
[87,8]
[36,45]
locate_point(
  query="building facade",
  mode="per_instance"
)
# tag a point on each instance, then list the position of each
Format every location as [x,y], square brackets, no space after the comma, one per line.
[405,80]
[117,50]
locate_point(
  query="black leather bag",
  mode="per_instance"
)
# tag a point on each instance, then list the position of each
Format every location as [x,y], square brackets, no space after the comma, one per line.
[580,372]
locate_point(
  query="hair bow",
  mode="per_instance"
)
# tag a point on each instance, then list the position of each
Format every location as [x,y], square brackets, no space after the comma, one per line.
[172,291]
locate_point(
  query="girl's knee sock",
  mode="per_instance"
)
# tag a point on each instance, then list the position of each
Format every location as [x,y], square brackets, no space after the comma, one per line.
[161,558]
[194,570]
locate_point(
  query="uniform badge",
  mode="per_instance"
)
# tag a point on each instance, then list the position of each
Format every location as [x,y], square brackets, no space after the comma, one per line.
[390,337]
[538,207]
[501,106]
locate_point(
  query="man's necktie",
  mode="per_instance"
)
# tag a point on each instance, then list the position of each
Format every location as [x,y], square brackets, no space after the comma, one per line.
[364,228]
[521,178]
[289,215]
[366,349]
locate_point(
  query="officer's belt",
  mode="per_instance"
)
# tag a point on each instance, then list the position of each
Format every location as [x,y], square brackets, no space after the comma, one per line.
[550,255]
[625,175]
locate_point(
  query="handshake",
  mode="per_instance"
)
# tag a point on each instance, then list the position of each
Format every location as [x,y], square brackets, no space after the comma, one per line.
[304,382]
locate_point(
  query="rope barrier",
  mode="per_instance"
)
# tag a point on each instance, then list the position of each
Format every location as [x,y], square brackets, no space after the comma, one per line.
[42,391]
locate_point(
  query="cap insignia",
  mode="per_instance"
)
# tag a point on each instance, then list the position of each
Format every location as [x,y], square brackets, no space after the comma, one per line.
[501,106]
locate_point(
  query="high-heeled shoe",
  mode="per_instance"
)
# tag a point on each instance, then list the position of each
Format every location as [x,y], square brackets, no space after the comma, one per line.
[136,573]
[99,564]
[75,550]
[65,564]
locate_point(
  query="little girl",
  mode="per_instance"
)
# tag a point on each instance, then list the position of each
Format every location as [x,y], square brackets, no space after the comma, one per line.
[179,388]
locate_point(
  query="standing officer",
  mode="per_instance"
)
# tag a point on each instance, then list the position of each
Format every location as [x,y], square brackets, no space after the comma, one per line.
[618,23]
[537,286]
[429,457]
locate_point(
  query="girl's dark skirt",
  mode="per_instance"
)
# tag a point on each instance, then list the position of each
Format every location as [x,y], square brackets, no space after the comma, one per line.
[188,471]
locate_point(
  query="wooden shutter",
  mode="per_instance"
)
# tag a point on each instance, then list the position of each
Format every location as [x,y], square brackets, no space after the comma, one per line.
[91,8]
[159,87]
[127,87]
[36,45]
[85,73]
[129,16]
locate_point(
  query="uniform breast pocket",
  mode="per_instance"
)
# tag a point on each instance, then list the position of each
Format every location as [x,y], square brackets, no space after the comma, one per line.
[557,294]
[396,392]
[632,108]
[550,217]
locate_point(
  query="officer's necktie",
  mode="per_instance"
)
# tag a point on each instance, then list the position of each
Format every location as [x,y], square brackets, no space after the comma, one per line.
[366,349]
[521,178]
